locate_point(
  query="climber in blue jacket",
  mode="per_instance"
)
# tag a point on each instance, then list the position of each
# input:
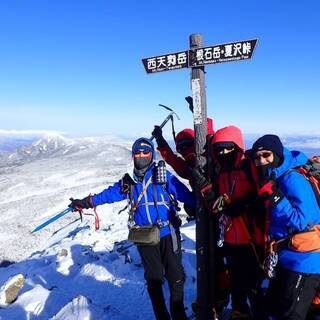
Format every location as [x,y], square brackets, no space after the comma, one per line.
[293,208]
[153,203]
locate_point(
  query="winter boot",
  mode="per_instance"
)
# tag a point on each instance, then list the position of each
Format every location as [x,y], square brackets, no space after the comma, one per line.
[238,315]
[157,300]
[177,309]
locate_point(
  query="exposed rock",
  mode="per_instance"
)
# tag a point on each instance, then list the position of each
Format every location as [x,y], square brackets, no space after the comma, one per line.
[10,289]
[63,253]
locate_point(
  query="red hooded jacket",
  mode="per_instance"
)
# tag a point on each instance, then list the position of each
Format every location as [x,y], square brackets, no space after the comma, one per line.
[237,185]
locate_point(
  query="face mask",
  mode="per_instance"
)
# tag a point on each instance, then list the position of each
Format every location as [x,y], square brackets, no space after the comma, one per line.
[141,163]
[264,172]
[227,160]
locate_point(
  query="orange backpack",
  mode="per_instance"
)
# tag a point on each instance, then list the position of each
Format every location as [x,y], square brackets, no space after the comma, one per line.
[308,241]
[305,241]
[316,299]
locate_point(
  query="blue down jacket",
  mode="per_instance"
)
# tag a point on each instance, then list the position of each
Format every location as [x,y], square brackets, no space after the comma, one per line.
[146,212]
[296,212]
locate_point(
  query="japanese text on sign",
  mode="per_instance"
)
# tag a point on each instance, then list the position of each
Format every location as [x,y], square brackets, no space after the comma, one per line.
[222,53]
[227,52]
[171,61]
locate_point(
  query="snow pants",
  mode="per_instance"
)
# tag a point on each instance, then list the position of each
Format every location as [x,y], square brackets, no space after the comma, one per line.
[161,262]
[290,294]
[245,278]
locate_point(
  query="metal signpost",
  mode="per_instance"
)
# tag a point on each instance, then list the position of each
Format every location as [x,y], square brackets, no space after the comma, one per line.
[196,58]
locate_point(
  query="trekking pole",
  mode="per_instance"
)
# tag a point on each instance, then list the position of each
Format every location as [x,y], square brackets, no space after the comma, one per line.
[169,117]
[54,218]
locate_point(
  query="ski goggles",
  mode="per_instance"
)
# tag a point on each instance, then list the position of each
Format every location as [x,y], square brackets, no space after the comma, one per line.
[222,149]
[145,153]
[184,144]
[219,147]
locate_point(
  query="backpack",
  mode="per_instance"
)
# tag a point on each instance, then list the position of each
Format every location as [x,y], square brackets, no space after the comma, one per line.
[308,241]
[311,171]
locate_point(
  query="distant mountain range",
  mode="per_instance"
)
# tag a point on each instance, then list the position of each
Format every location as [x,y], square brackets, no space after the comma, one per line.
[11,143]
[17,150]
[49,146]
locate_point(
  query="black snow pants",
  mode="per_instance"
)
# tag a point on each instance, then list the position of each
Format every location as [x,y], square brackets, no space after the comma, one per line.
[245,278]
[160,261]
[290,294]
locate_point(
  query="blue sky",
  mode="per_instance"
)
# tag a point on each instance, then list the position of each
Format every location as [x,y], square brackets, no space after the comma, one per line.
[75,66]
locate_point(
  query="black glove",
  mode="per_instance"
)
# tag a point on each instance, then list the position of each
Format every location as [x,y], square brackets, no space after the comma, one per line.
[243,205]
[157,133]
[126,183]
[190,211]
[190,102]
[79,204]
[198,177]
[205,187]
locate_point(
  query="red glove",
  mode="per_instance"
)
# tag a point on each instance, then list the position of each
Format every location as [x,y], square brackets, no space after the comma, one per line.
[267,189]
[271,193]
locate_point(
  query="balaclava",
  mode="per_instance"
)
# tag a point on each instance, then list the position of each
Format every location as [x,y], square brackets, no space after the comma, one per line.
[185,145]
[226,160]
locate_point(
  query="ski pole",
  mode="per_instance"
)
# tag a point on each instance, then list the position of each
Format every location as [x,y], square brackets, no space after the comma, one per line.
[54,218]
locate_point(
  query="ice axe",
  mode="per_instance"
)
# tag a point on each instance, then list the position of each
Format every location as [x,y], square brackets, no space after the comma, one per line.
[169,117]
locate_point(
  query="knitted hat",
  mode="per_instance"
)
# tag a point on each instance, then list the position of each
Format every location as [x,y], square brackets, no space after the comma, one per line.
[269,142]
[143,144]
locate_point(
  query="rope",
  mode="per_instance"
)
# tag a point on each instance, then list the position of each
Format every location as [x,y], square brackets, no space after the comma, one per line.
[96,219]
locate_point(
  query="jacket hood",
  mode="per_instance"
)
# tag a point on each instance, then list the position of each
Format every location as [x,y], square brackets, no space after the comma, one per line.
[291,159]
[210,128]
[229,134]
[185,134]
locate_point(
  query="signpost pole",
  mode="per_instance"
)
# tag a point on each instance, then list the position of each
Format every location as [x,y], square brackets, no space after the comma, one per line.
[196,58]
[202,221]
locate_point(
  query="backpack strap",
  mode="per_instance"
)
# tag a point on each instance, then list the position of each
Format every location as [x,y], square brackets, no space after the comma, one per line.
[135,205]
[311,174]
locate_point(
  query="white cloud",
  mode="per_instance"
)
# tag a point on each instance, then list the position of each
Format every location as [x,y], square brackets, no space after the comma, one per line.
[28,133]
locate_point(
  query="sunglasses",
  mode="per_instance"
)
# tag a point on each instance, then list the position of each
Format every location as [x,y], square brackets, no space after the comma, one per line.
[262,155]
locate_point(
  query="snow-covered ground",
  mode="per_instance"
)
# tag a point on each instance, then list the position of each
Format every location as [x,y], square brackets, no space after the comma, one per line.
[71,270]
[88,274]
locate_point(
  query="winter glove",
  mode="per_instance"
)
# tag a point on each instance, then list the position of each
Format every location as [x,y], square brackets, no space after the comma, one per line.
[126,182]
[271,193]
[157,133]
[236,208]
[198,177]
[190,211]
[79,204]
[204,186]
[190,102]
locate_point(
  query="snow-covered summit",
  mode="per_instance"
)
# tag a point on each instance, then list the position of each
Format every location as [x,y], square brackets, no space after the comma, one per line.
[37,181]
[55,145]
[72,271]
